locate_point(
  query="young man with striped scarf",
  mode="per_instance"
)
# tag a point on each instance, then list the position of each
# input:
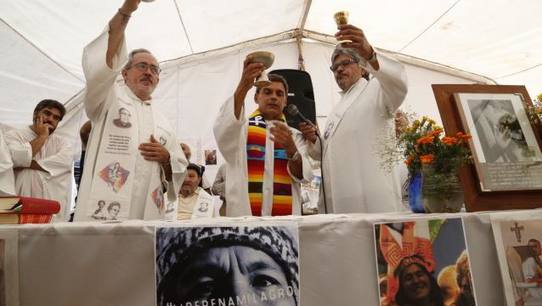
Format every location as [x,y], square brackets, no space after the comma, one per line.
[264,157]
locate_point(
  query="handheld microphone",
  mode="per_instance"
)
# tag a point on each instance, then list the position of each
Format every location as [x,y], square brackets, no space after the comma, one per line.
[292,110]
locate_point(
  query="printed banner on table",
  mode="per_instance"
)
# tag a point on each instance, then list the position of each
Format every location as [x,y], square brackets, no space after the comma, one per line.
[9,268]
[423,262]
[228,265]
[520,259]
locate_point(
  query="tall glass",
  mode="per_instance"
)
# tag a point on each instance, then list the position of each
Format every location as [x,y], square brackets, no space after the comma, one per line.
[341,18]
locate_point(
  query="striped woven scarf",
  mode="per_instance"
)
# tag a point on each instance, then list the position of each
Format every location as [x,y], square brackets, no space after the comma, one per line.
[282,184]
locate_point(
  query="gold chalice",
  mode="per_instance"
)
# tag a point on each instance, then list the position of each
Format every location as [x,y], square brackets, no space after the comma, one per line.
[341,18]
[266,58]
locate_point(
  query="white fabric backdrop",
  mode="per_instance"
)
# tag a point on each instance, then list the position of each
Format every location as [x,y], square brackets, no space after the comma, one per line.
[42,41]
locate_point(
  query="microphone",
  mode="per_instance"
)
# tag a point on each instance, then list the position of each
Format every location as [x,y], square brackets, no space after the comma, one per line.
[292,110]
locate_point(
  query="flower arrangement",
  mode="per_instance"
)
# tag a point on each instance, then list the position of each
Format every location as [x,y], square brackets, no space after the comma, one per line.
[423,144]
[535,110]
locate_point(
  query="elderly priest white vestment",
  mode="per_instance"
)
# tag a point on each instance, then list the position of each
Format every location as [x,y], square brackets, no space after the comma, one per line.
[354,180]
[115,172]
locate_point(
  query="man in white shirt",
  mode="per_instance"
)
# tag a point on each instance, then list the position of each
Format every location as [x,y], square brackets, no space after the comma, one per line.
[532,268]
[353,180]
[193,200]
[136,165]
[42,160]
[7,181]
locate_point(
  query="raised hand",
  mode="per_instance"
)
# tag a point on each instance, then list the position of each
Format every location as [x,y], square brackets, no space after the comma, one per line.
[130,6]
[40,128]
[154,151]
[251,71]
[359,41]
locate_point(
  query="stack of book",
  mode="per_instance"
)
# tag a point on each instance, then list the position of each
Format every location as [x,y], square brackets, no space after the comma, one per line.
[20,210]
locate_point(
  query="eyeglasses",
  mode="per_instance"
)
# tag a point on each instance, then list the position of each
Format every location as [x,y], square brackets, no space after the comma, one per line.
[344,63]
[142,66]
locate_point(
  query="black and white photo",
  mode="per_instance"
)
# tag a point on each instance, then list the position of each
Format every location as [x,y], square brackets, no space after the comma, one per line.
[241,265]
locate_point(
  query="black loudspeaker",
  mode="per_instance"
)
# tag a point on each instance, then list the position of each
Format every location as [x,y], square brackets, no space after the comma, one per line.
[300,93]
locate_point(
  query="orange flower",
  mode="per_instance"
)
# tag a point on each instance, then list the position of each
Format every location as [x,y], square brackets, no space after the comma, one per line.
[427,158]
[463,136]
[450,141]
[435,132]
[409,160]
[425,140]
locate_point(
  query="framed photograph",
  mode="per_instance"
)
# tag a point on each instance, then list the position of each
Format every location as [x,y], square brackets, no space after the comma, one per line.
[423,262]
[518,243]
[228,265]
[506,172]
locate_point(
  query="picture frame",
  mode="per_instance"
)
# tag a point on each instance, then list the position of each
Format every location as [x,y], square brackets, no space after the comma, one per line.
[506,172]
[517,241]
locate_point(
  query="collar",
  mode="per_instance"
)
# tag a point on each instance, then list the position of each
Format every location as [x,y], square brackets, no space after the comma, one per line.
[196,193]
[359,82]
[131,94]
[258,113]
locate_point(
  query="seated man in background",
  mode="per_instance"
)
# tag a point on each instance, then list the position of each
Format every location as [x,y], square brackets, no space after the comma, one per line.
[264,163]
[42,160]
[204,181]
[193,200]
[7,181]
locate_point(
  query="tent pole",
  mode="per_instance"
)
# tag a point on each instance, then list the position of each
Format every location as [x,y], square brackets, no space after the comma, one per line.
[298,34]
[299,43]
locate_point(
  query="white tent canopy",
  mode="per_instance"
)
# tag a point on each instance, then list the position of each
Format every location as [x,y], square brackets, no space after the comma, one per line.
[202,44]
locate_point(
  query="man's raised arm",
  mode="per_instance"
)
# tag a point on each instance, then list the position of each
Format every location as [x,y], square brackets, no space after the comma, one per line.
[117,26]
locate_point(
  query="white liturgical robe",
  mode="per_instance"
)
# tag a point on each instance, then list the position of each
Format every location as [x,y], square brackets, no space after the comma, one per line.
[55,157]
[231,138]
[354,180]
[7,181]
[115,172]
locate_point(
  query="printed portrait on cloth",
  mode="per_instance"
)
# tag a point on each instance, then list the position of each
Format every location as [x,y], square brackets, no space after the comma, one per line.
[230,265]
[423,262]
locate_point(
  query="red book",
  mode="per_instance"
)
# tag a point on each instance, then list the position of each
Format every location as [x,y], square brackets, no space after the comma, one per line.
[26,205]
[14,218]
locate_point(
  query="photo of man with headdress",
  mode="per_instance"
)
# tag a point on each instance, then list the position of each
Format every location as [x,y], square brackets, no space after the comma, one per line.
[519,250]
[239,265]
[423,263]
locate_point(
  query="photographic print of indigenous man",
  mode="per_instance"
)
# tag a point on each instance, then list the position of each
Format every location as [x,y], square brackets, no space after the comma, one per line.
[227,266]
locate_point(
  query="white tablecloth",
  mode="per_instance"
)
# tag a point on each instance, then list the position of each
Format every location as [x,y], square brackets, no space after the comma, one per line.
[113,264]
